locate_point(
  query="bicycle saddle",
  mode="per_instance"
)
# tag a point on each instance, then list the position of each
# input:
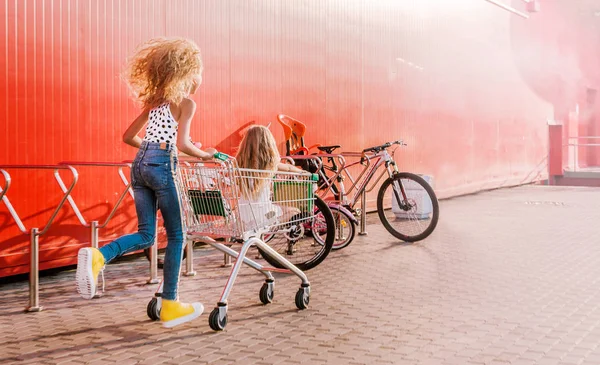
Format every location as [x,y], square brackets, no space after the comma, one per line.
[328,149]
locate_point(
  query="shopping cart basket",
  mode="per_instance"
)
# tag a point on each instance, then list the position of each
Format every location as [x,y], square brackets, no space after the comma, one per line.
[252,207]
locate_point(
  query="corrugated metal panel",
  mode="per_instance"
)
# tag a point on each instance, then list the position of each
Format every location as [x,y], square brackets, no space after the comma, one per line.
[454,79]
[303,66]
[4,84]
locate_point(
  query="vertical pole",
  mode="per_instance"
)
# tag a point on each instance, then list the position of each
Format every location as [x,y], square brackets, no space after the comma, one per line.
[227,260]
[363,214]
[576,162]
[34,273]
[189,259]
[94,239]
[555,153]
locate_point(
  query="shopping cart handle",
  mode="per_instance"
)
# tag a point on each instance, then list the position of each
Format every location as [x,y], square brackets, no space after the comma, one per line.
[221,156]
[314,177]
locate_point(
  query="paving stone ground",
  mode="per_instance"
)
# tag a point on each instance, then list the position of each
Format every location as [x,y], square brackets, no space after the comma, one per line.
[509,276]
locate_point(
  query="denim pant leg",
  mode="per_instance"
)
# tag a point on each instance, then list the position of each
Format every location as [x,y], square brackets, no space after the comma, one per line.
[169,205]
[145,206]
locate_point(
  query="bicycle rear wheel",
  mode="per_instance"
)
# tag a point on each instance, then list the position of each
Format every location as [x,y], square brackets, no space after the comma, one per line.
[300,246]
[408,207]
[345,229]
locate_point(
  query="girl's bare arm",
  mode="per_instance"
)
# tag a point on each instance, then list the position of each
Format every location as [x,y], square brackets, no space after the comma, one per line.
[188,108]
[288,168]
[131,134]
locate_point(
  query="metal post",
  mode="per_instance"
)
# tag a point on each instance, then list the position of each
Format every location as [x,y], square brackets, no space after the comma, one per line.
[227,260]
[189,259]
[94,231]
[363,214]
[34,273]
[576,162]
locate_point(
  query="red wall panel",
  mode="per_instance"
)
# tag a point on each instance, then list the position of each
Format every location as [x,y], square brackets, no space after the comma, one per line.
[467,85]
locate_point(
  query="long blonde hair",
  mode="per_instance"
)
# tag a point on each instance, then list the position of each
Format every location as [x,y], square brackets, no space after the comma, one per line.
[258,151]
[163,70]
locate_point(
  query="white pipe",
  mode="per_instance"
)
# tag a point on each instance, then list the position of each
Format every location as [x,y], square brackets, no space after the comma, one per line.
[506,7]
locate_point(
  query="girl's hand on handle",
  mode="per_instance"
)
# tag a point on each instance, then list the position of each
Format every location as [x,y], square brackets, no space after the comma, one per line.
[210,152]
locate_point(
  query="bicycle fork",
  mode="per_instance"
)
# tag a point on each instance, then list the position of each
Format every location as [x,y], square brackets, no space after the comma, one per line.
[397,187]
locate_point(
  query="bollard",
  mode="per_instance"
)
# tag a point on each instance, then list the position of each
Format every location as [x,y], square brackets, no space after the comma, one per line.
[34,273]
[363,215]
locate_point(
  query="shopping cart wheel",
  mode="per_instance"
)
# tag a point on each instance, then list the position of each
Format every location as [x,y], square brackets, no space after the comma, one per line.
[266,292]
[302,297]
[217,321]
[153,310]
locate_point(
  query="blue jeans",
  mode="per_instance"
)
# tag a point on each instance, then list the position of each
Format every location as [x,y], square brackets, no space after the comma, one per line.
[153,181]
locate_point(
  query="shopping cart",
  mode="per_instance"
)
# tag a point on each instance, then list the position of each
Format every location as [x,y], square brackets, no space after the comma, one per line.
[252,207]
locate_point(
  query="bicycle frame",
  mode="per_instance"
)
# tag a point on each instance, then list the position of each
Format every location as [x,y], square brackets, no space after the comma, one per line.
[361,183]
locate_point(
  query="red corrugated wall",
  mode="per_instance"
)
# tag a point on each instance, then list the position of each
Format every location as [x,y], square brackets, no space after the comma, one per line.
[468,85]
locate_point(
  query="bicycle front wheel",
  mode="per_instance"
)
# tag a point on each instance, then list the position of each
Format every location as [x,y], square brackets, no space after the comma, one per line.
[408,207]
[300,246]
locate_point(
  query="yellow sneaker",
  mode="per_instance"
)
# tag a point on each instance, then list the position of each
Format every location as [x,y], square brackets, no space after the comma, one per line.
[174,313]
[90,263]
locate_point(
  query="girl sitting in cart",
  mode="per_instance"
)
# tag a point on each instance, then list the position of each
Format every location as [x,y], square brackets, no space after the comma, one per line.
[258,151]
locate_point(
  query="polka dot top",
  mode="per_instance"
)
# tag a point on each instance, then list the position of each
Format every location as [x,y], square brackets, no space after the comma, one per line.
[162,127]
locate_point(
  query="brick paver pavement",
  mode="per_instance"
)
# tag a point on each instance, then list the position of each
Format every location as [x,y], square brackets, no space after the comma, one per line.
[509,277]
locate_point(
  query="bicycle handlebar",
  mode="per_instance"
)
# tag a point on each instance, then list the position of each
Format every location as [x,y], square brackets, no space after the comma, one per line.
[384,146]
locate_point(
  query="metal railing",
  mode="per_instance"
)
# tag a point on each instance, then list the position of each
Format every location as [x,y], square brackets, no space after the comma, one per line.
[574,161]
[509,8]
[6,184]
[35,233]
[94,225]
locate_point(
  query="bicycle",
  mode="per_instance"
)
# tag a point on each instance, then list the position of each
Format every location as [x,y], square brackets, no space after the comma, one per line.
[414,206]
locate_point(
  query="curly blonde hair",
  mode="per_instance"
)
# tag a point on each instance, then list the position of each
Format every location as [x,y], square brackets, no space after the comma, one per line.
[163,70]
[258,151]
